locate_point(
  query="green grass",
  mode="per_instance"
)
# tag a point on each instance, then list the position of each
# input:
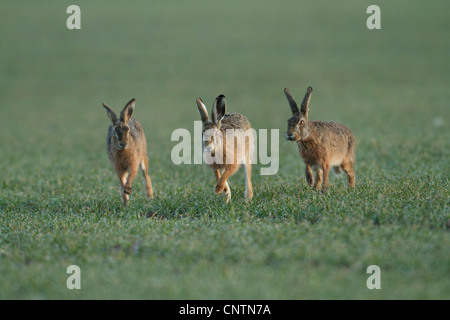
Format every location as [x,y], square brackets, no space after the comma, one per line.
[59,200]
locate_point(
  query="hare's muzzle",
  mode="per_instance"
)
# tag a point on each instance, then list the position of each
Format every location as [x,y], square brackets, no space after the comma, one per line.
[290,137]
[209,148]
[121,146]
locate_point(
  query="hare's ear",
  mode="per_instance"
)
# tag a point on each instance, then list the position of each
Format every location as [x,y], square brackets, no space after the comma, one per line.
[202,110]
[291,100]
[111,114]
[219,108]
[127,111]
[305,102]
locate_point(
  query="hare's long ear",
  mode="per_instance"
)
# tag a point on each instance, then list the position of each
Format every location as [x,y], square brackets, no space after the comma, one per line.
[127,111]
[202,110]
[305,102]
[291,100]
[219,108]
[111,114]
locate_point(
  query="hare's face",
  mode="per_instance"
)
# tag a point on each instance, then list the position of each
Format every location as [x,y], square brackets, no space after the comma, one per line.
[122,135]
[298,128]
[212,137]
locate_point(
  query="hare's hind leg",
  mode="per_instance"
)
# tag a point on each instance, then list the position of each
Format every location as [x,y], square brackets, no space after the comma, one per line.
[248,181]
[148,180]
[247,166]
[348,169]
[326,172]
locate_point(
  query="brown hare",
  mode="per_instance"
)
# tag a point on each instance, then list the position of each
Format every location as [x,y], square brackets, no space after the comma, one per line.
[321,144]
[227,156]
[127,149]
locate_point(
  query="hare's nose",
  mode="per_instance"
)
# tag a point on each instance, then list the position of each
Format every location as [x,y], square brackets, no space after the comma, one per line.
[290,137]
[209,148]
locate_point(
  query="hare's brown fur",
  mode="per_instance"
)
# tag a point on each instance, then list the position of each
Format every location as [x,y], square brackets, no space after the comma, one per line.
[322,145]
[127,149]
[240,151]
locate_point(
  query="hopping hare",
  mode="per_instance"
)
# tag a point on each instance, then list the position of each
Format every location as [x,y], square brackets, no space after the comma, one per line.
[127,149]
[321,144]
[227,157]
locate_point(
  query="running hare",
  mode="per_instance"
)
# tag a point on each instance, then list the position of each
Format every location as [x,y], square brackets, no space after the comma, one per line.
[321,144]
[222,157]
[127,149]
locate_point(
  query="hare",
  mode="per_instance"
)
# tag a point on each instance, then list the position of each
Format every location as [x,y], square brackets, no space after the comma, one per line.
[127,149]
[321,144]
[227,157]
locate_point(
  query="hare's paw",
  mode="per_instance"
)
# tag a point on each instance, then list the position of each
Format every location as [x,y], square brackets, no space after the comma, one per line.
[248,196]
[219,188]
[227,197]
[126,189]
[227,192]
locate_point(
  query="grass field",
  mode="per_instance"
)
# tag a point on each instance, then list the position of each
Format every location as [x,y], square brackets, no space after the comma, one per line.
[59,199]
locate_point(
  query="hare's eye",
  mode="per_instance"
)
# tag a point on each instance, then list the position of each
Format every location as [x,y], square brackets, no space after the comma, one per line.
[126,129]
[302,122]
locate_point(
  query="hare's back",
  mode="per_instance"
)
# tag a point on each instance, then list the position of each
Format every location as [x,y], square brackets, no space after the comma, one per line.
[235,121]
[334,127]
[338,135]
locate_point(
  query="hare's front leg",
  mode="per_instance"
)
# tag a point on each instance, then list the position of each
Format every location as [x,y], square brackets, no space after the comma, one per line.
[131,176]
[326,171]
[309,175]
[318,181]
[222,183]
[217,174]
[123,178]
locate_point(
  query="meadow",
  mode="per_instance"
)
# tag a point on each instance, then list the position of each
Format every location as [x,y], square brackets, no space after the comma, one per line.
[59,197]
